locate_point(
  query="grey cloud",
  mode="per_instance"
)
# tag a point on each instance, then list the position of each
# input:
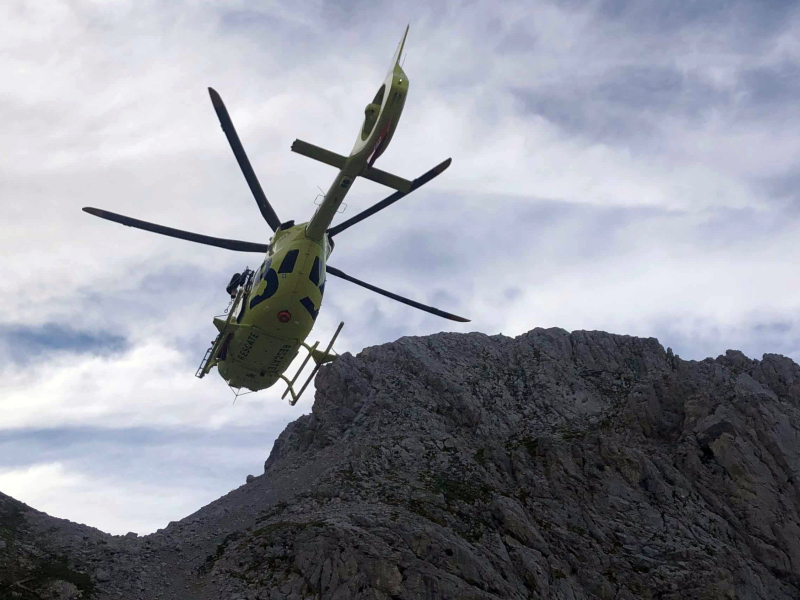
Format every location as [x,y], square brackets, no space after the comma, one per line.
[23,344]
[516,38]
[544,240]
[454,246]
[163,292]
[785,186]
[245,18]
[659,18]
[656,88]
[627,104]
[728,228]
[771,88]
[778,334]
[640,64]
[371,319]
[364,315]
[174,280]
[776,327]
[576,113]
[126,452]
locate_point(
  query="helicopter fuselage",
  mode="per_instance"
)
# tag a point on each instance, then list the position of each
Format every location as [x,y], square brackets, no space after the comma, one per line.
[277,312]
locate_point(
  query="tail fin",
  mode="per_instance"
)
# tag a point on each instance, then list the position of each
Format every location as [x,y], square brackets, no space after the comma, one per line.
[399,53]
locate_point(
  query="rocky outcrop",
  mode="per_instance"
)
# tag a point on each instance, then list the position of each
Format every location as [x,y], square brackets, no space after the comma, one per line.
[552,465]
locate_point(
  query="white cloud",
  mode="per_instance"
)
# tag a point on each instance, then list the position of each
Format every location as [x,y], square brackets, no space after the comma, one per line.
[608,201]
[149,385]
[108,503]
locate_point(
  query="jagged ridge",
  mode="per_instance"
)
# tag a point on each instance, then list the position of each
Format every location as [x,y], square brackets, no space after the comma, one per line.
[552,465]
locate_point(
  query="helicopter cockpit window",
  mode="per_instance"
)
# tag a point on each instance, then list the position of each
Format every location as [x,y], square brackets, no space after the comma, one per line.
[287,266]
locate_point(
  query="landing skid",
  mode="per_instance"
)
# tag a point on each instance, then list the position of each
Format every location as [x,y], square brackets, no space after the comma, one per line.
[319,359]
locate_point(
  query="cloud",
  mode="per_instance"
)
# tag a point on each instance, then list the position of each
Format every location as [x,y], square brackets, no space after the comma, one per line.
[151,384]
[106,478]
[113,506]
[22,344]
[627,166]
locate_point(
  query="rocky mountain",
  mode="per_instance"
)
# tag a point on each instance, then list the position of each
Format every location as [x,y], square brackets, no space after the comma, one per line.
[551,465]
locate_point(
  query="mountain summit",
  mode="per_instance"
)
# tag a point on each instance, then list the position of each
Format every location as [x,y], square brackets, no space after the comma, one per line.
[551,465]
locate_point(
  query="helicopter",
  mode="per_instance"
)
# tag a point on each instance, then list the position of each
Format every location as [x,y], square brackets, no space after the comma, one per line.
[273,308]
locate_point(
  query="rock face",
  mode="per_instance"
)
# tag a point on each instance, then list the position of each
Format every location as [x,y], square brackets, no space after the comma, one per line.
[552,465]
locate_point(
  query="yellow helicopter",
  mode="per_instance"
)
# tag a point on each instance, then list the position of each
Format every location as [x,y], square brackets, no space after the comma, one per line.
[273,308]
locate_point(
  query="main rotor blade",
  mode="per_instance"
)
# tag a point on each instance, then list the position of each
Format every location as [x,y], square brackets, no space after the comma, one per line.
[429,309]
[241,157]
[179,233]
[418,182]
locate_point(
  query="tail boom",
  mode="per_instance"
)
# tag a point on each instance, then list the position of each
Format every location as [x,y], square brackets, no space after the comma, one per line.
[380,121]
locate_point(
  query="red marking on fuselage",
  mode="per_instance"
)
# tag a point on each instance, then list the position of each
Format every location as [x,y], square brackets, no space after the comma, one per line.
[376,150]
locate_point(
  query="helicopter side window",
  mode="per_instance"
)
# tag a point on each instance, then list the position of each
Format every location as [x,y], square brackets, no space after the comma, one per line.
[264,268]
[313,275]
[287,266]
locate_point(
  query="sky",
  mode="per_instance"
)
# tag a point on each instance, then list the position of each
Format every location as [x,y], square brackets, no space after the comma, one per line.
[624,166]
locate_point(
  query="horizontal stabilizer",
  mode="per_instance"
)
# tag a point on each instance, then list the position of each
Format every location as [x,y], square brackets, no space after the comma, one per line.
[320,154]
[387,179]
[338,161]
